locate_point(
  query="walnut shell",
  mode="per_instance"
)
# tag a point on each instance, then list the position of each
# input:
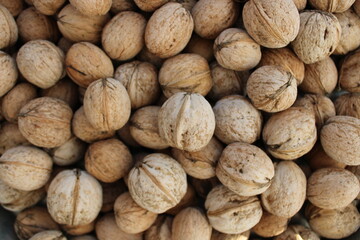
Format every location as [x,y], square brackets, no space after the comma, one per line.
[223,236]
[245,169]
[110,193]
[49,235]
[78,28]
[65,90]
[48,7]
[130,217]
[340,138]
[289,180]
[69,153]
[348,105]
[270,225]
[348,78]
[10,136]
[92,7]
[8,73]
[290,134]
[356,171]
[271,24]
[237,120]
[169,30]
[318,37]
[163,176]
[230,213]
[150,6]
[300,4]
[123,37]
[41,63]
[189,199]
[179,124]
[107,104]
[74,198]
[140,81]
[337,6]
[8,27]
[79,230]
[317,159]
[294,232]
[160,230]
[200,46]
[122,5]
[14,6]
[188,4]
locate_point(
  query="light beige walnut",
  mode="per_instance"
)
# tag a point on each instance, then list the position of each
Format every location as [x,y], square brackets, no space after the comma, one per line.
[180,124]
[122,5]
[48,7]
[157,183]
[14,6]
[70,152]
[319,35]
[294,232]
[336,6]
[110,193]
[230,213]
[123,37]
[200,46]
[74,198]
[8,73]
[160,230]
[49,235]
[78,230]
[348,104]
[270,225]
[65,90]
[223,236]
[92,7]
[289,180]
[150,5]
[169,30]
[340,138]
[8,28]
[272,88]
[356,171]
[348,78]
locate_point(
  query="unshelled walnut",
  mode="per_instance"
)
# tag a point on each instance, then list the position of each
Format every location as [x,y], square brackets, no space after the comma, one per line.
[107,104]
[289,180]
[164,175]
[223,236]
[8,72]
[318,37]
[270,225]
[237,120]
[337,6]
[14,6]
[120,46]
[9,29]
[65,90]
[110,192]
[48,7]
[141,82]
[69,153]
[245,169]
[185,73]
[333,223]
[41,63]
[294,232]
[150,6]
[169,30]
[160,230]
[200,46]
[86,63]
[178,126]
[79,229]
[340,138]
[74,198]
[265,22]
[317,159]
[348,104]
[49,235]
[122,5]
[92,7]
[230,213]
[272,88]
[348,79]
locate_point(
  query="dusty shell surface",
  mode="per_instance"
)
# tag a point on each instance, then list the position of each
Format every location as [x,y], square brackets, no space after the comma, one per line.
[48,7]
[294,232]
[211,17]
[348,78]
[46,122]
[157,183]
[107,104]
[141,82]
[123,37]
[340,138]
[317,159]
[130,217]
[200,164]
[65,90]
[333,223]
[230,213]
[74,198]
[86,63]
[185,73]
[348,105]
[24,200]
[160,230]
[25,168]
[77,27]
[10,136]
[8,73]
[150,6]
[186,121]
[49,235]
[223,236]
[92,7]
[201,46]
[237,120]
[14,6]
[245,169]
[287,59]
[290,134]
[41,63]
[332,5]
[69,153]
[289,180]
[318,37]
[8,28]
[271,24]
[144,128]
[270,225]
[9,194]
[331,188]
[108,160]
[272,88]
[235,49]
[169,30]
[122,5]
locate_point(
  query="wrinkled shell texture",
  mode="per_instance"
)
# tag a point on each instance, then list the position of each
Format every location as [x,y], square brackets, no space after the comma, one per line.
[294,232]
[348,77]
[9,194]
[230,213]
[41,63]
[348,105]
[270,225]
[245,169]
[49,235]
[74,198]
[141,82]
[337,6]
[271,24]
[234,49]
[169,30]
[10,136]
[107,104]
[8,73]
[289,180]
[46,122]
[14,6]
[186,121]
[86,63]
[78,230]
[92,7]
[25,200]
[160,230]
[340,138]
[150,6]
[185,73]
[211,17]
[237,120]
[272,88]
[8,28]
[48,7]
[157,183]
[319,35]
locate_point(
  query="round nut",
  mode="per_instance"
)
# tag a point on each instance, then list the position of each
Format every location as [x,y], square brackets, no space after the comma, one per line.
[92,7]
[69,153]
[65,90]
[348,78]
[48,7]
[348,105]
[10,136]
[294,232]
[49,235]
[9,29]
[79,230]
[332,5]
[14,6]
[8,73]
[271,225]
